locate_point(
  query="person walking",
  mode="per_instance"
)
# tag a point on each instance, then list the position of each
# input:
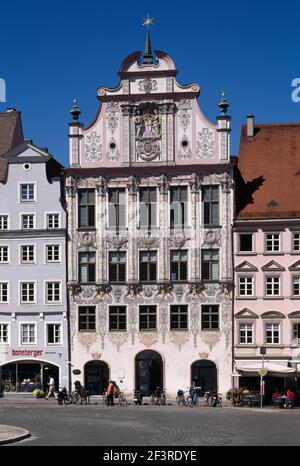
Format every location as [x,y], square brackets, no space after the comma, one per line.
[193,392]
[110,393]
[51,391]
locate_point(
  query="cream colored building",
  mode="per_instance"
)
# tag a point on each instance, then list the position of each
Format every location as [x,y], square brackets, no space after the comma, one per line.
[150,204]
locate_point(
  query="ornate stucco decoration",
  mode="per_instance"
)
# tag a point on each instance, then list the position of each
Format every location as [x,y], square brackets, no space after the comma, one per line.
[211,238]
[163,320]
[147,131]
[132,321]
[184,150]
[87,240]
[103,290]
[96,355]
[73,288]
[195,292]
[147,85]
[102,322]
[164,293]
[148,242]
[133,185]
[133,291]
[194,183]
[148,338]
[87,295]
[118,338]
[203,355]
[194,320]
[112,115]
[163,184]
[179,338]
[87,339]
[102,186]
[179,292]
[117,293]
[205,144]
[113,152]
[178,239]
[116,242]
[210,338]
[184,113]
[93,147]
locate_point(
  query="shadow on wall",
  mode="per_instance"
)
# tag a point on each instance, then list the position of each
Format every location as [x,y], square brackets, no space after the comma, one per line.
[245,191]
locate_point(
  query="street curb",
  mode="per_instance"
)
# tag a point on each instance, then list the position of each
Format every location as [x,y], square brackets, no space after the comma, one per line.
[17,434]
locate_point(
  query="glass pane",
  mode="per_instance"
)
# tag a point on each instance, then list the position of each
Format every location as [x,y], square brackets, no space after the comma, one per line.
[214,214]
[215,271]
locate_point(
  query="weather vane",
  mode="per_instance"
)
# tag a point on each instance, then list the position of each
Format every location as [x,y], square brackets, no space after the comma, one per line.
[148,22]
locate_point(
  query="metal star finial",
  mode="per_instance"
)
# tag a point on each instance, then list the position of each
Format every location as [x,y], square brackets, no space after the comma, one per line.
[148,21]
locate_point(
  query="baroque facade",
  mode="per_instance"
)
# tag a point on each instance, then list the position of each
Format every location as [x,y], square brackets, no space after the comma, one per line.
[149,194]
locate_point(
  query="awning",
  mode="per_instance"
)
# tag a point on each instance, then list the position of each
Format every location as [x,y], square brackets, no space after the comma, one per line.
[255,366]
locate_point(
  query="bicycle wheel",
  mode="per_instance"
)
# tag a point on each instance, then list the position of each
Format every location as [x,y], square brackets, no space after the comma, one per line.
[190,402]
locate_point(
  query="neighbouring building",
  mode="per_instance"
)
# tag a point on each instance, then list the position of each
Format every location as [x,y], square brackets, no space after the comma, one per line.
[149,196]
[267,256]
[33,308]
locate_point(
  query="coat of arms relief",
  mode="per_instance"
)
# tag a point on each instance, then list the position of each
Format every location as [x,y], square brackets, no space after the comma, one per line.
[147,131]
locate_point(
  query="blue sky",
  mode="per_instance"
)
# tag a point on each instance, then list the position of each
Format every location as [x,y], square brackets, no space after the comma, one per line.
[54,50]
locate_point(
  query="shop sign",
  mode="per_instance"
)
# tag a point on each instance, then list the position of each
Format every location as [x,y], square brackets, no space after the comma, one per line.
[76,372]
[27,352]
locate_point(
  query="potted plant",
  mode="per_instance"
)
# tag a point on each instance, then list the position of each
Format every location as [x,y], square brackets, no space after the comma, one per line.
[39,393]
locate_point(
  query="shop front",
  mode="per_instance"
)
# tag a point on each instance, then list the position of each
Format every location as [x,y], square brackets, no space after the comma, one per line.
[279,377]
[25,376]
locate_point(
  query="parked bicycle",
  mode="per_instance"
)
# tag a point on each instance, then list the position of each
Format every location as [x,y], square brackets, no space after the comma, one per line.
[137,397]
[158,397]
[63,396]
[180,398]
[122,398]
[80,395]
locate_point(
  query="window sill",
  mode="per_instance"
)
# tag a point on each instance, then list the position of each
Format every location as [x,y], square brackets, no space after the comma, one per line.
[117,330]
[246,345]
[209,226]
[179,330]
[272,297]
[295,253]
[87,228]
[239,298]
[148,330]
[210,330]
[294,297]
[87,331]
[272,253]
[246,253]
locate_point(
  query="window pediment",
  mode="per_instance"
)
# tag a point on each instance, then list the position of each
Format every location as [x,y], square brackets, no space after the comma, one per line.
[246,267]
[294,315]
[272,315]
[295,267]
[246,313]
[272,266]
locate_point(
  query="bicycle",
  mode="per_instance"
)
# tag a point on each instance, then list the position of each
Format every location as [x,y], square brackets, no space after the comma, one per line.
[180,398]
[122,398]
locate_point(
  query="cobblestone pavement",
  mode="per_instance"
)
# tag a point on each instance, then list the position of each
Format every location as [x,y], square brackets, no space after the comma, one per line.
[51,424]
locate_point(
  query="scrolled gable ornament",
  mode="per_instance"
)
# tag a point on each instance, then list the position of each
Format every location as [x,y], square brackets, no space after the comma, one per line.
[164,292]
[117,241]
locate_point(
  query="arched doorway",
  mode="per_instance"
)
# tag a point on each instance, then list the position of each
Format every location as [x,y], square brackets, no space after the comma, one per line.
[96,374]
[148,371]
[204,373]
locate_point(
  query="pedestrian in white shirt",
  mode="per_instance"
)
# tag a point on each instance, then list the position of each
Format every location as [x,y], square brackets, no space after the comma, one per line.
[51,391]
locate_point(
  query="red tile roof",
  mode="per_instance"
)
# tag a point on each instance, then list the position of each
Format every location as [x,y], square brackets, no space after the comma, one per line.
[11,135]
[269,164]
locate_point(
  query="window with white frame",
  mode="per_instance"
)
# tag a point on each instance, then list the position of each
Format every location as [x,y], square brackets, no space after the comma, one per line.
[272,333]
[53,334]
[246,333]
[3,292]
[28,334]
[273,286]
[178,206]
[27,254]
[52,221]
[27,292]
[296,242]
[52,292]
[3,254]
[27,192]
[52,253]
[296,285]
[148,208]
[3,222]
[27,221]
[272,242]
[117,208]
[4,335]
[296,333]
[246,286]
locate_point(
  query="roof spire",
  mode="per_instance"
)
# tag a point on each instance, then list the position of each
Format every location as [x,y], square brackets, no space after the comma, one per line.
[223,104]
[148,57]
[75,112]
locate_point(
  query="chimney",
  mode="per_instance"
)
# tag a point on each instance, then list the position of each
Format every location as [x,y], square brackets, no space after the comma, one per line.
[250,126]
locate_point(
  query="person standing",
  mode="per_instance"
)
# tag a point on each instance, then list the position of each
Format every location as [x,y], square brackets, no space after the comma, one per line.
[51,391]
[110,393]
